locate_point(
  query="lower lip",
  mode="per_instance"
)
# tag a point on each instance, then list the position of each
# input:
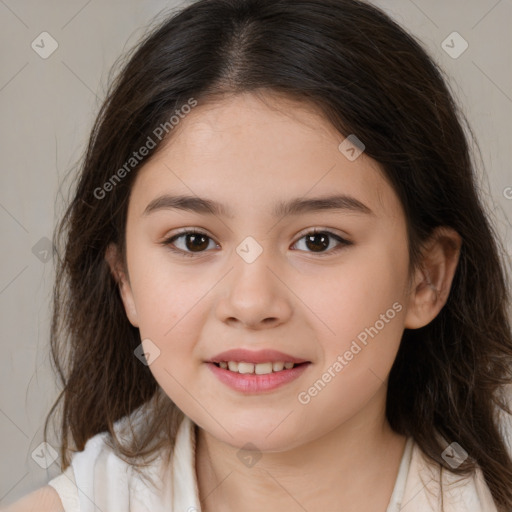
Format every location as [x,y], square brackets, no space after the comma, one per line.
[252,383]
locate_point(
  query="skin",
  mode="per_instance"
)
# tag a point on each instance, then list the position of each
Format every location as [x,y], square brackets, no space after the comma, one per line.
[248,152]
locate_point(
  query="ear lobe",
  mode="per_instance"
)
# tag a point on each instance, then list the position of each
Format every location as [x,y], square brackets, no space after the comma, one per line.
[118,271]
[433,279]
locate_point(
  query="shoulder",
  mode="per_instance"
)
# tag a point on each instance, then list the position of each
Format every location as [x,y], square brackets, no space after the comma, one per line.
[432,488]
[45,499]
[95,474]
[100,479]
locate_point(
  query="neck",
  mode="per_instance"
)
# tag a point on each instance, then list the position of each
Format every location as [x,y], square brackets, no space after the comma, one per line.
[353,467]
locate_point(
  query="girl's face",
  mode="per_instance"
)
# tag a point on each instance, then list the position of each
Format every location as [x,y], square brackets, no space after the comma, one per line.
[258,279]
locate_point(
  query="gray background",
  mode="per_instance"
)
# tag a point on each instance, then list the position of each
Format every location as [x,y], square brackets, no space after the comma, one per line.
[48,106]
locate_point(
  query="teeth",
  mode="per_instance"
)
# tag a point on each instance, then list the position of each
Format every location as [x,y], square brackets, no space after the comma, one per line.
[263,368]
[245,368]
[277,367]
[258,369]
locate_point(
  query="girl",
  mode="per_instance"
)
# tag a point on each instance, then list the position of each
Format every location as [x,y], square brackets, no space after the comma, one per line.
[279,287]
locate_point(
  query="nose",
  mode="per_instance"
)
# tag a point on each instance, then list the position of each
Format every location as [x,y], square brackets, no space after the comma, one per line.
[254,295]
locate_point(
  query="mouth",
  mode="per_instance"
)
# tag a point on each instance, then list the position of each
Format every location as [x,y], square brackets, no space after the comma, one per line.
[254,379]
[250,371]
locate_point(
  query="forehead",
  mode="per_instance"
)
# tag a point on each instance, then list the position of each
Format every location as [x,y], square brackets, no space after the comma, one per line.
[250,150]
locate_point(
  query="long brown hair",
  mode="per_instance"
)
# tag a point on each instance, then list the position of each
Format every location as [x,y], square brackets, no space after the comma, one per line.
[368,77]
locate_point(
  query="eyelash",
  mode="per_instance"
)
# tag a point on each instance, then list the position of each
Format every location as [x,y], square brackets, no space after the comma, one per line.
[169,241]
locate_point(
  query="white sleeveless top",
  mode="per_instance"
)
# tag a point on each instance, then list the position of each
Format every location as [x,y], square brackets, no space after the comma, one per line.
[99,481]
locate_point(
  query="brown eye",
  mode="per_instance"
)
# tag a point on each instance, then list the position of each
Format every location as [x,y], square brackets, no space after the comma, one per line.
[191,242]
[195,242]
[319,241]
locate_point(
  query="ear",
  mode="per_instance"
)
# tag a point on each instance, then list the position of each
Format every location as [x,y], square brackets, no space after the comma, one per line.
[433,279]
[119,273]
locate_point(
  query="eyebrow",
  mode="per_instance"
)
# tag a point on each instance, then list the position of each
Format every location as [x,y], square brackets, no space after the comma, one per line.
[281,209]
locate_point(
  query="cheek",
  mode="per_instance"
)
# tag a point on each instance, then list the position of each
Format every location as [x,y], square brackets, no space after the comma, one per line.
[367,318]
[170,309]
[363,308]
[356,294]
[166,295]
[171,303]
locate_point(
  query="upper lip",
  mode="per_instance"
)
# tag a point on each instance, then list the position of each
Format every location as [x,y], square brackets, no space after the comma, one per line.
[255,356]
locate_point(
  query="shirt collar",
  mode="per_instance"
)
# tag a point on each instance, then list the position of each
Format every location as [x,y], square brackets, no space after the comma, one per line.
[184,480]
